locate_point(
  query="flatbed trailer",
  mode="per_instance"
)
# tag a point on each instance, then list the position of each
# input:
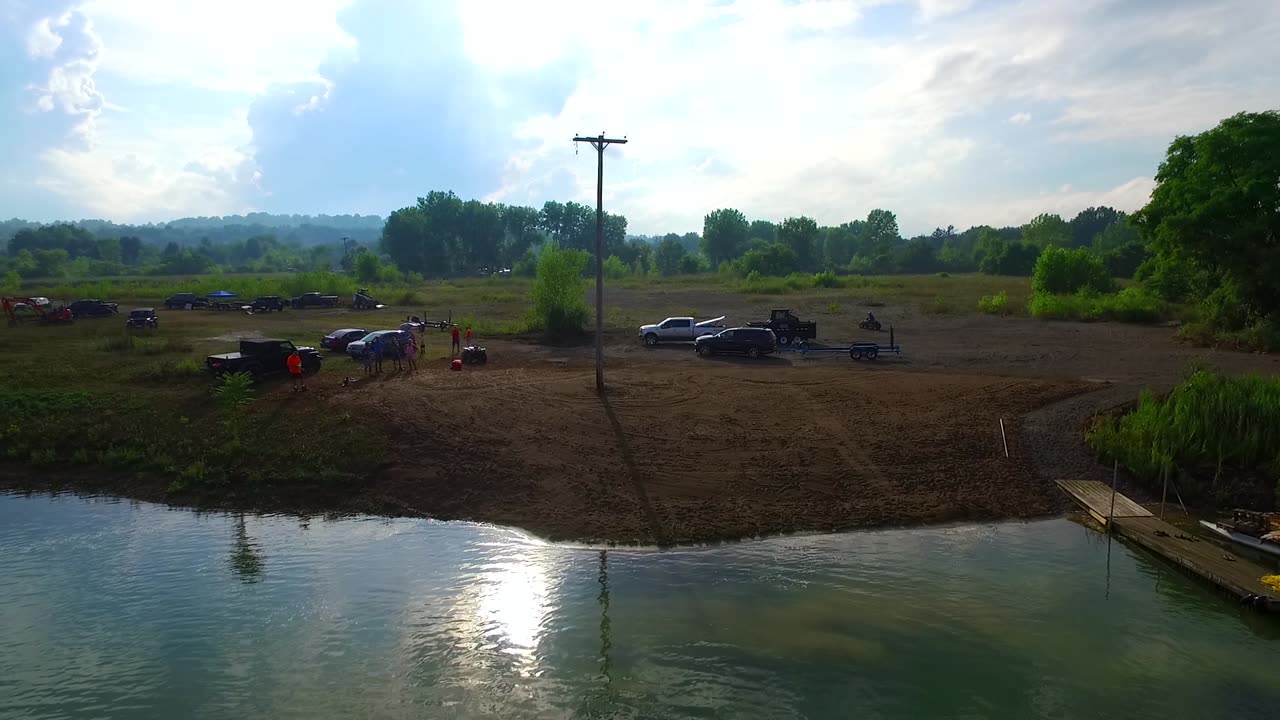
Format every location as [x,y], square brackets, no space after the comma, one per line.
[855,351]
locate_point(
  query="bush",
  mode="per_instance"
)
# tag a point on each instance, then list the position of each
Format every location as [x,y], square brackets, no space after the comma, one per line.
[692,265]
[775,259]
[234,391]
[1128,305]
[1060,271]
[997,304]
[614,268]
[826,279]
[1207,426]
[557,293]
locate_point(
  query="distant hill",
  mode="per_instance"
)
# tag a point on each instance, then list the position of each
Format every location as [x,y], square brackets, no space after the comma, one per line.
[305,229]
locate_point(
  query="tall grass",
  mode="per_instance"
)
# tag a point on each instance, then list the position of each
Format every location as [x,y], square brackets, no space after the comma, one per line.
[997,304]
[1129,305]
[1211,429]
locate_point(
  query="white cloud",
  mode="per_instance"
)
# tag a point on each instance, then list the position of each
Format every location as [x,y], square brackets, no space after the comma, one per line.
[70,86]
[42,41]
[832,123]
[934,9]
[234,45]
[1014,208]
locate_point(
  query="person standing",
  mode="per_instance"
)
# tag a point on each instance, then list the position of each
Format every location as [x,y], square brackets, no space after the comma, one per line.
[295,370]
[457,345]
[410,351]
[397,346]
[377,354]
[366,354]
[468,336]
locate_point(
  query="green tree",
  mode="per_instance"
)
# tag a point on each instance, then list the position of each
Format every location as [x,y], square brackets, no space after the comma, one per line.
[109,249]
[1047,229]
[1086,225]
[880,234]
[25,262]
[368,267]
[917,256]
[51,263]
[559,305]
[614,268]
[1217,204]
[774,259]
[1116,235]
[840,244]
[667,256]
[692,264]
[1124,261]
[1062,271]
[130,250]
[763,229]
[801,235]
[724,232]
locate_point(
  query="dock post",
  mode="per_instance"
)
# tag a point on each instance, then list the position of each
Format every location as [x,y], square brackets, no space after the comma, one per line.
[1164,491]
[1115,468]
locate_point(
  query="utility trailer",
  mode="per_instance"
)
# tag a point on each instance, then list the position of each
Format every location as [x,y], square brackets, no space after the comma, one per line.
[855,351]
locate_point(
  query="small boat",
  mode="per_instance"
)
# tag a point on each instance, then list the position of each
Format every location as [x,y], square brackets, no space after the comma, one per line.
[1266,546]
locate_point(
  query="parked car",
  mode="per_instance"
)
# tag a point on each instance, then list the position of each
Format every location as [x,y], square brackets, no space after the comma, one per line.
[340,339]
[180,301]
[679,329]
[267,304]
[260,357]
[752,341]
[142,318]
[314,299]
[93,308]
[355,349]
[787,327]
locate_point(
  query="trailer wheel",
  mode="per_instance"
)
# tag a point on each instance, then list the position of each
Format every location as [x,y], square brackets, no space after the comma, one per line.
[855,353]
[784,340]
[872,353]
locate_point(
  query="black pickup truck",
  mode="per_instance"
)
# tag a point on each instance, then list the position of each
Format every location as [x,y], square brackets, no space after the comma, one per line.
[789,328]
[260,357]
[314,299]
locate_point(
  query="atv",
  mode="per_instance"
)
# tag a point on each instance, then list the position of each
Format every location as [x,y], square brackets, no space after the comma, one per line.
[869,324]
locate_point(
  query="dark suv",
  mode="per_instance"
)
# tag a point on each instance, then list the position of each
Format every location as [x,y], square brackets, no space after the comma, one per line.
[93,308]
[184,300]
[754,342]
[267,304]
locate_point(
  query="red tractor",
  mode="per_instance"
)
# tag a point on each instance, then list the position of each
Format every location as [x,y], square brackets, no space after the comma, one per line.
[18,309]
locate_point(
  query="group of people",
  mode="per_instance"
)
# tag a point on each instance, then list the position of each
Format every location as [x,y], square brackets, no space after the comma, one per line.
[397,349]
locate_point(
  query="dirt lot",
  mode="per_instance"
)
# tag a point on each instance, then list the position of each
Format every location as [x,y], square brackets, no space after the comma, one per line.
[690,450]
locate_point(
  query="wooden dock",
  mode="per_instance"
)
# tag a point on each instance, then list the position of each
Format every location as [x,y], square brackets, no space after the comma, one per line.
[1205,559]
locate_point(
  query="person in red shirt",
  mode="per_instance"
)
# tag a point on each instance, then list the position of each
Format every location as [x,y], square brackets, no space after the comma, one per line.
[457,345]
[295,370]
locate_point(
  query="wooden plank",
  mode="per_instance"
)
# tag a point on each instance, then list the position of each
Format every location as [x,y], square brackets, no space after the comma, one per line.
[1096,497]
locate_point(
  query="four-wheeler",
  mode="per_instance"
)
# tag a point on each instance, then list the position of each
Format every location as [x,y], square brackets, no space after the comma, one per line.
[753,341]
[363,300]
[869,323]
[313,300]
[142,319]
[389,339]
[267,304]
[679,329]
[260,357]
[472,355]
[39,309]
[93,308]
[340,339]
[787,327]
[184,301]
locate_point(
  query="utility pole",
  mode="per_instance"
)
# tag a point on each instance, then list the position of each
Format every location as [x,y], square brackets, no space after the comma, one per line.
[600,143]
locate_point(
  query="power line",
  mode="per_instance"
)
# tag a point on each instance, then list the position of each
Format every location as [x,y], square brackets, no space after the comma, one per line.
[600,143]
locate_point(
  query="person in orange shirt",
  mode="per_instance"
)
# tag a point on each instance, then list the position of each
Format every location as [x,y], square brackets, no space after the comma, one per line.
[468,336]
[295,370]
[456,344]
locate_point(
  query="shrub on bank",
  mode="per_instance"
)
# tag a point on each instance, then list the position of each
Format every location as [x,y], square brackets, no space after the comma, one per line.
[1061,271]
[1218,436]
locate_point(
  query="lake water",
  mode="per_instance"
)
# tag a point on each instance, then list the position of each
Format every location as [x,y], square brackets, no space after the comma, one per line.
[113,609]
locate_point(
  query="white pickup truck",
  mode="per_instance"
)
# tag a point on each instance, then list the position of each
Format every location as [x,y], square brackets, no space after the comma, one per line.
[679,329]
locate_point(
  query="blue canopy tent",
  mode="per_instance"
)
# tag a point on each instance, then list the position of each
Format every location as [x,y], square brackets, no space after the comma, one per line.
[221,295]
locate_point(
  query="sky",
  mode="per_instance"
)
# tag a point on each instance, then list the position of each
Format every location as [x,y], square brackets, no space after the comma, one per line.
[948,112]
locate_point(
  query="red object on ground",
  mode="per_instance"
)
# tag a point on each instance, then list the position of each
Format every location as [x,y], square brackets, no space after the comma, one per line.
[456,364]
